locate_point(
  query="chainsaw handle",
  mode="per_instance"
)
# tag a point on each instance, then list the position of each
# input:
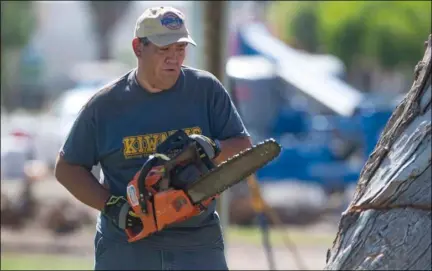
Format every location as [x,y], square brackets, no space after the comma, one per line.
[132,236]
[141,182]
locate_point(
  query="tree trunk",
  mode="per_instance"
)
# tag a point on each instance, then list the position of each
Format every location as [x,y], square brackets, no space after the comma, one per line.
[214,16]
[214,31]
[104,46]
[388,224]
[106,14]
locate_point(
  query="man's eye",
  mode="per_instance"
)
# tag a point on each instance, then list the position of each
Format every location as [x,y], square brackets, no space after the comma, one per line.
[164,49]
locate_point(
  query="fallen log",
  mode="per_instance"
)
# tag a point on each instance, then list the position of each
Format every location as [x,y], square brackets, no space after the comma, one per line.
[387,226]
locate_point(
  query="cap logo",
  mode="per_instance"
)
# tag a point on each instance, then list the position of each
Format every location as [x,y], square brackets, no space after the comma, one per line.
[172,21]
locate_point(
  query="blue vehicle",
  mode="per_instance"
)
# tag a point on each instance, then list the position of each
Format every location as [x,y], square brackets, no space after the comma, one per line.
[326,127]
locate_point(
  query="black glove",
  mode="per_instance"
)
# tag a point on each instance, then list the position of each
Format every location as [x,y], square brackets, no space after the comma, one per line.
[118,210]
[210,147]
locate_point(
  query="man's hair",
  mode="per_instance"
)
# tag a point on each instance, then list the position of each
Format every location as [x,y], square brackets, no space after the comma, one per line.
[145,41]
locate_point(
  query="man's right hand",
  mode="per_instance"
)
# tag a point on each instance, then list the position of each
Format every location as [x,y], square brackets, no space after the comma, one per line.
[118,210]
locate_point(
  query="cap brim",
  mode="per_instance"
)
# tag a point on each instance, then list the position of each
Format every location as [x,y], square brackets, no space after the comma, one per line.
[164,40]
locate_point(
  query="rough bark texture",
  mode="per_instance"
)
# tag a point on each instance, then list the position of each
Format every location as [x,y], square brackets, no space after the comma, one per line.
[388,224]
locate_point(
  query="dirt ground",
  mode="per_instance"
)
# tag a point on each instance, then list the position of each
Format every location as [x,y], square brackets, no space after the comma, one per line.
[240,255]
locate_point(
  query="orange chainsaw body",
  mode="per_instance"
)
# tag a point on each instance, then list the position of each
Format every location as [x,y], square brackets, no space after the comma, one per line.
[163,207]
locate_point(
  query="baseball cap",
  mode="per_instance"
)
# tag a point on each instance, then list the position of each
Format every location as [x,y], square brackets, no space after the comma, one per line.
[163,26]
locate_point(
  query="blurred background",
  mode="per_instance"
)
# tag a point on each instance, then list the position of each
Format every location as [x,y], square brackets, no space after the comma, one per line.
[322,78]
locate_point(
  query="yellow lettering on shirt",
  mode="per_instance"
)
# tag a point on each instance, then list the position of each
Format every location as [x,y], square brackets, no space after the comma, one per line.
[144,145]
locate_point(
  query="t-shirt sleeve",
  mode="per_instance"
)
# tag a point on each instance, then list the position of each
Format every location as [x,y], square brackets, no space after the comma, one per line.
[80,144]
[225,121]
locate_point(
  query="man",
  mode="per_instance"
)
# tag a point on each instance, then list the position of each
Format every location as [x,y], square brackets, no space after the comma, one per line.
[122,125]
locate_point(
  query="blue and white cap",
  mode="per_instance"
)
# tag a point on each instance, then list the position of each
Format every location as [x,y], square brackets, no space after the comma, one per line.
[163,26]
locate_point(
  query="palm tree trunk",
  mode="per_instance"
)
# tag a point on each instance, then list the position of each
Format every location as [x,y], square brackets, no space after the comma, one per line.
[388,223]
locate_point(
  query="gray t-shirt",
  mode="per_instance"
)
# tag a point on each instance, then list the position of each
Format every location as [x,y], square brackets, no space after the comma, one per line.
[123,123]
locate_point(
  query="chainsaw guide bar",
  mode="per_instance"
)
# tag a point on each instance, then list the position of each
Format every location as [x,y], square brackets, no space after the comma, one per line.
[233,170]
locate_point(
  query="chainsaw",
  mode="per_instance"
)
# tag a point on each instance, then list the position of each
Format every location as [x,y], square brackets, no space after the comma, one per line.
[180,181]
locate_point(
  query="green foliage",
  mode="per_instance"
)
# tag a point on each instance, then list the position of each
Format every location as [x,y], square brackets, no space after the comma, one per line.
[389,32]
[305,27]
[281,15]
[17,23]
[44,262]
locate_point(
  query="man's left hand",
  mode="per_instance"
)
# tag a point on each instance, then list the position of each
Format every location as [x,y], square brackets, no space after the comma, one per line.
[210,147]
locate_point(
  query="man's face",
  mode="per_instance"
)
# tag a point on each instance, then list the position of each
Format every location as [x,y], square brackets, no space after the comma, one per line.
[163,63]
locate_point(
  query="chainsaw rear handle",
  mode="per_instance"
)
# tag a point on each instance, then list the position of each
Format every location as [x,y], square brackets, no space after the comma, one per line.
[168,207]
[143,172]
[149,174]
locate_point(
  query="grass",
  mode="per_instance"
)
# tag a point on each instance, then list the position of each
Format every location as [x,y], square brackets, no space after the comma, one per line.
[14,261]
[253,236]
[244,235]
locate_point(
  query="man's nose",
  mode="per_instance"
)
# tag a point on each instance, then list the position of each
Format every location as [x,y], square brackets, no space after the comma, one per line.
[172,58]
[173,53]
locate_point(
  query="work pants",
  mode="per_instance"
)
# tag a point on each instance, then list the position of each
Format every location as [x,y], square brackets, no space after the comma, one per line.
[116,255]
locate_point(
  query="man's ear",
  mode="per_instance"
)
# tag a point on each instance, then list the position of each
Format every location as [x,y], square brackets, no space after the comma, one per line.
[136,46]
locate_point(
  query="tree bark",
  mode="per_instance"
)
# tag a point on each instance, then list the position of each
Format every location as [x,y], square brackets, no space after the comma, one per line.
[214,15]
[388,223]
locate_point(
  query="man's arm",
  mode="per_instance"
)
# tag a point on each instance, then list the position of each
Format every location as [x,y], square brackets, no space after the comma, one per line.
[226,124]
[231,147]
[77,156]
[81,183]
